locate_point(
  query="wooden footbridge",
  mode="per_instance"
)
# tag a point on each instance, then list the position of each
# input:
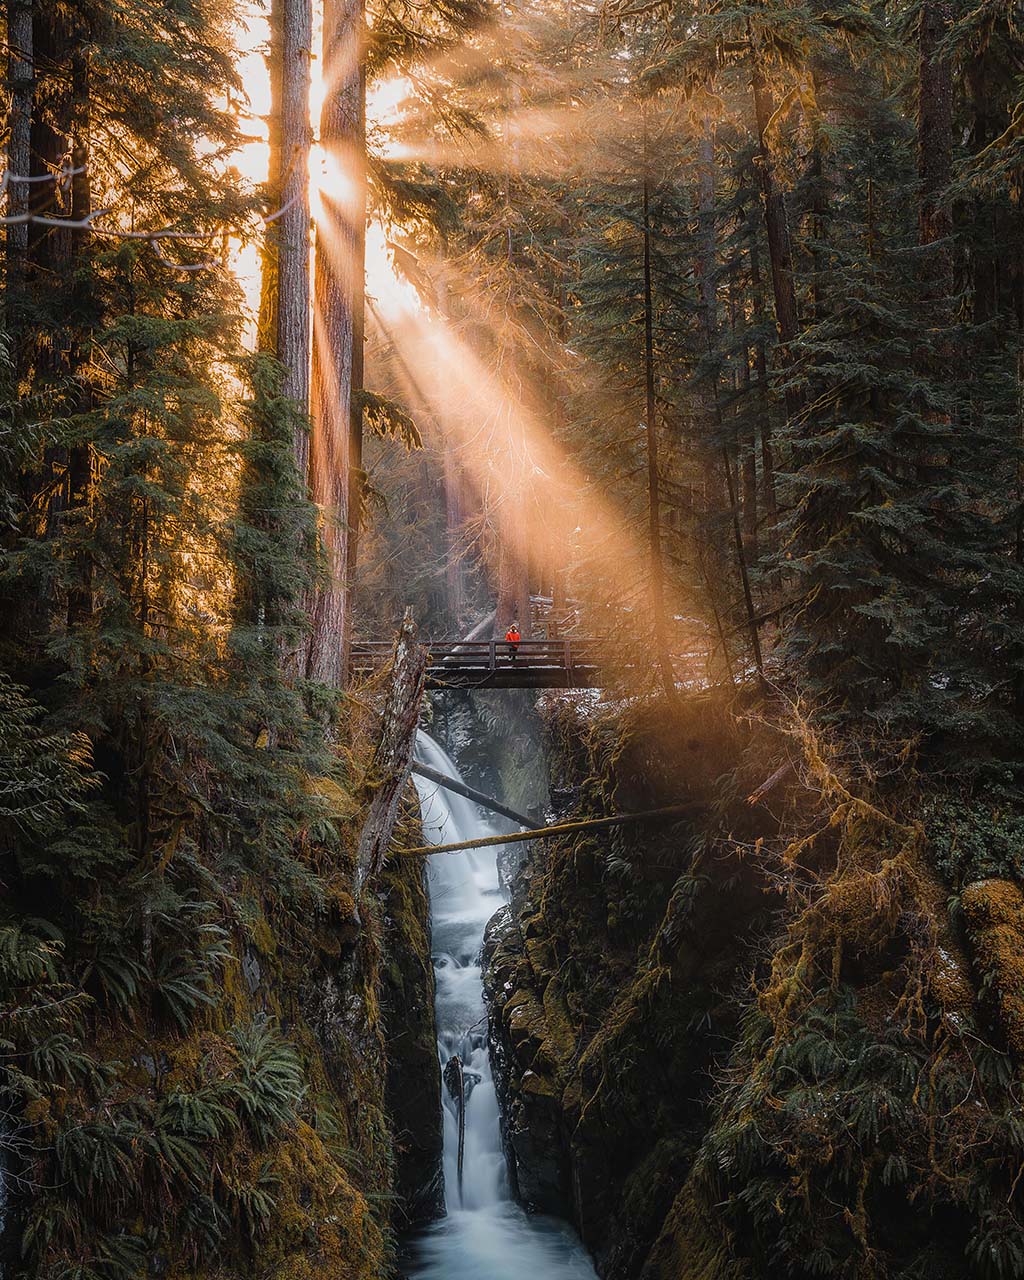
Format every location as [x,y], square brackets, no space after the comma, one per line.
[490,664]
[567,663]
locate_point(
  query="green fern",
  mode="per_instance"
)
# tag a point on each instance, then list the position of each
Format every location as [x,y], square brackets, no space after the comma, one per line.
[268,1086]
[252,1204]
[206,1113]
[96,1160]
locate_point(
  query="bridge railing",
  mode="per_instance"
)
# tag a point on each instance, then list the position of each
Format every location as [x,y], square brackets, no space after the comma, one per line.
[489,655]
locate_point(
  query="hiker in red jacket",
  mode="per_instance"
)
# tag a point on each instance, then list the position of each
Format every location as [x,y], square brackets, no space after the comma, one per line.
[512,638]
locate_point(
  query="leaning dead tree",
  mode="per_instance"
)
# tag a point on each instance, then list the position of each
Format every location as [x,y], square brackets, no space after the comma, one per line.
[392,757]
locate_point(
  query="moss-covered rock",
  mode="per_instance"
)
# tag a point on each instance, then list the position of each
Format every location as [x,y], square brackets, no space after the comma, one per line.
[413,1069]
[756,1039]
[994,910]
[221,1109]
[600,980]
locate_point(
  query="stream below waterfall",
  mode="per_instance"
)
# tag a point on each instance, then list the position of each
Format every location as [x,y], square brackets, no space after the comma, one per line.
[485,1234]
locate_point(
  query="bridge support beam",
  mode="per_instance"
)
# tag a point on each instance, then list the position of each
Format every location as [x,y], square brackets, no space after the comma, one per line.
[460,789]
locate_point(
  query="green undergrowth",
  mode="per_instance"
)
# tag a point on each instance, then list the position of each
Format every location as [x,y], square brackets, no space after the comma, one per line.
[869,1122]
[194,1044]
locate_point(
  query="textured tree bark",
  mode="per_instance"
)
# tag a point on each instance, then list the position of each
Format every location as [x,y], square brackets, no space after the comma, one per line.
[709,310]
[761,370]
[356,476]
[284,317]
[293,243]
[453,496]
[284,298]
[748,449]
[266,327]
[83,300]
[392,757]
[337,328]
[661,653]
[58,128]
[935,141]
[19,152]
[780,248]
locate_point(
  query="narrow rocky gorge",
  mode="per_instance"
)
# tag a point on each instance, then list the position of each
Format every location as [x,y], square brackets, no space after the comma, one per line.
[686,1022]
[611,978]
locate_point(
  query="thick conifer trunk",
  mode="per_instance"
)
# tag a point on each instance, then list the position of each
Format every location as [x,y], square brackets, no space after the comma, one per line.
[761,374]
[935,136]
[661,651]
[292,240]
[19,152]
[338,329]
[780,248]
[747,444]
[709,311]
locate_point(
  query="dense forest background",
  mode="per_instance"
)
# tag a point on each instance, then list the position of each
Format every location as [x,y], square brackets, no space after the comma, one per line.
[702,329]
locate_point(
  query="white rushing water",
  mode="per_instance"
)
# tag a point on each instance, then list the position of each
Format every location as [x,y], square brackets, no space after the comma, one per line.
[485,1235]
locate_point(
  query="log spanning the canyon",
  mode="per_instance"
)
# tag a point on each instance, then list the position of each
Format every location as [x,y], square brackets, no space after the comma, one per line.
[559,828]
[460,789]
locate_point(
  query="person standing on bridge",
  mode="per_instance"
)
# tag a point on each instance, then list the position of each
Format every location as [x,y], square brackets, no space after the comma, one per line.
[512,638]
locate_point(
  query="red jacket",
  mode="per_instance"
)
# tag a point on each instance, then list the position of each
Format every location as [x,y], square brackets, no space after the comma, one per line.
[512,636]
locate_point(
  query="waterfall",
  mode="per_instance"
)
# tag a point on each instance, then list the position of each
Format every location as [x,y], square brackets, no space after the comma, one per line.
[485,1235]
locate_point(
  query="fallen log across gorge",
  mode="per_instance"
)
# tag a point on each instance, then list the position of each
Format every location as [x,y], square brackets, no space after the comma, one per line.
[557,829]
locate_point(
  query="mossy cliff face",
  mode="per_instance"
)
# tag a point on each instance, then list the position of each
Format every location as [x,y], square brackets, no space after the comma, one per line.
[758,1044]
[247,1123]
[610,979]
[413,1069]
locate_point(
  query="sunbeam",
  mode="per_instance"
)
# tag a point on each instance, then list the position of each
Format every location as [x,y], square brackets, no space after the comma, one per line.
[540,504]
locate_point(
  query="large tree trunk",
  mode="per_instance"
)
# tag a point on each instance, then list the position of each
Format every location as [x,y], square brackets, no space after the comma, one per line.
[56,270]
[19,150]
[337,328]
[284,318]
[780,248]
[763,399]
[661,650]
[293,321]
[746,445]
[709,312]
[266,328]
[356,475]
[935,142]
[79,462]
